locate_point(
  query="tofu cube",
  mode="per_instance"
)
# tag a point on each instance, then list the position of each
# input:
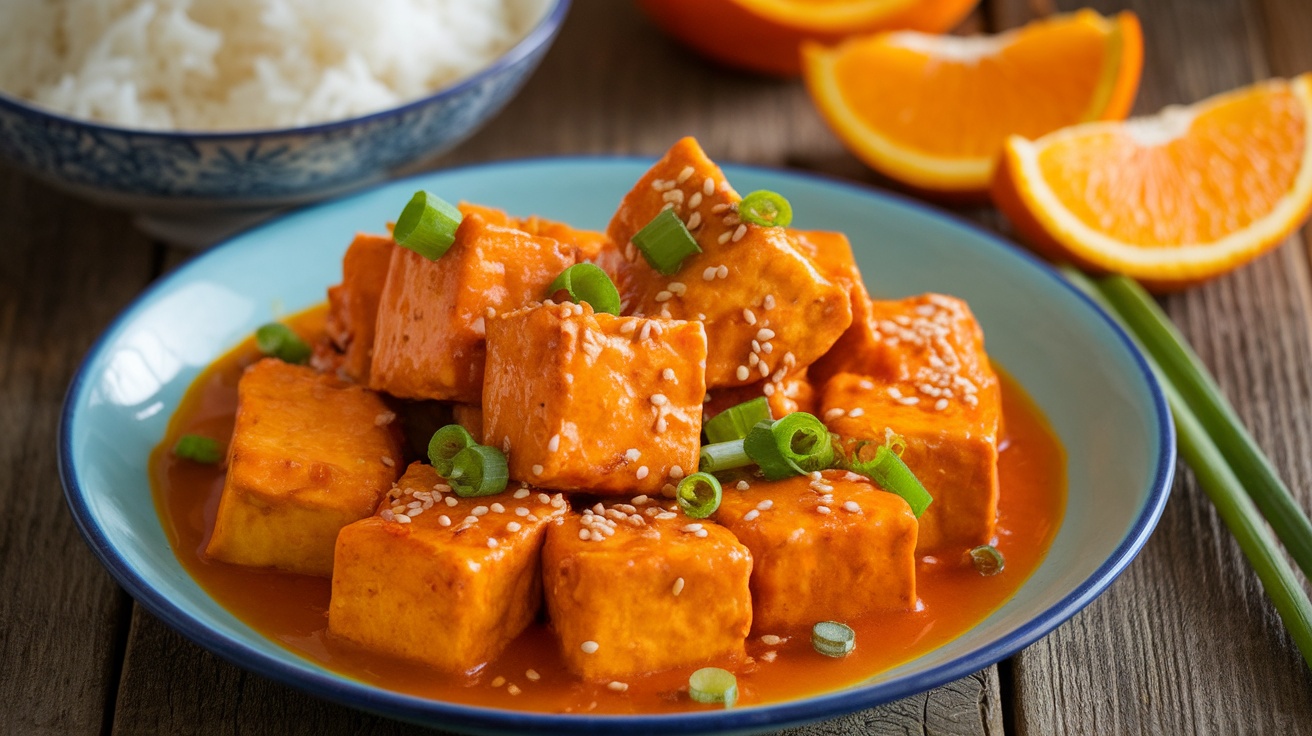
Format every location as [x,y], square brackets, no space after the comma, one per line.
[793,393]
[585,401]
[750,286]
[469,416]
[449,583]
[639,588]
[310,453]
[353,304]
[828,549]
[930,382]
[832,254]
[432,315]
[589,244]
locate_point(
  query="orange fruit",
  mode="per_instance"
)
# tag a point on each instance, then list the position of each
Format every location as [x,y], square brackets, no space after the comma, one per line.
[934,111]
[1173,199]
[764,35]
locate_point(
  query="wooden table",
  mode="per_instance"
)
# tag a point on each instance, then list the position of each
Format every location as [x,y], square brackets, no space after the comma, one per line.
[1184,642]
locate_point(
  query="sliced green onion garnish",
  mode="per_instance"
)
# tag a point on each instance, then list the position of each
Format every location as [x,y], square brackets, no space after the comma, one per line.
[735,422]
[198,449]
[987,559]
[833,639]
[723,456]
[279,341]
[699,495]
[890,473]
[767,208]
[446,443]
[478,470]
[713,685]
[804,440]
[427,225]
[665,242]
[585,282]
[762,447]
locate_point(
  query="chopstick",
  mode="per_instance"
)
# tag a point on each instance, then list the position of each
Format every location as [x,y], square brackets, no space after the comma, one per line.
[1229,467]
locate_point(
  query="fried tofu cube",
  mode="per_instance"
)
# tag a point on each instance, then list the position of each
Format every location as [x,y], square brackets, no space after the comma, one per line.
[827,549]
[432,316]
[310,453]
[588,243]
[469,416]
[449,583]
[832,254]
[929,380]
[353,304]
[585,401]
[756,293]
[637,589]
[793,393]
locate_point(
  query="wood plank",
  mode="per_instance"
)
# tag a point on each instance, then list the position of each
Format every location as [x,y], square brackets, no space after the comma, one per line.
[611,84]
[66,269]
[1185,641]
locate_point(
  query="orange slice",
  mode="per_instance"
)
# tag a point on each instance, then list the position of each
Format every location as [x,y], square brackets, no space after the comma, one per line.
[1172,199]
[933,111]
[764,35]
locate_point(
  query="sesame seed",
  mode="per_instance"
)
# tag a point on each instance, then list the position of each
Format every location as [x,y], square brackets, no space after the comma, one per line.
[768,302]
[490,312]
[537,470]
[505,445]
[513,689]
[402,519]
[722,272]
[532,675]
[639,500]
[673,196]
[770,640]
[513,527]
[753,360]
[724,237]
[498,681]
[584,534]
[701,533]
[451,501]
[765,505]
[597,536]
[687,172]
[743,485]
[856,412]
[642,472]
[822,509]
[479,510]
[599,509]
[834,413]
[666,515]
[750,316]
[721,207]
[414,504]
[668,374]
[708,274]
[695,201]
[497,508]
[522,493]
[658,184]
[632,454]
[708,186]
[678,586]
[387,515]
[739,233]
[765,333]
[386,417]
[769,656]
[756,346]
[389,462]
[590,647]
[677,287]
[646,331]
[690,528]
[659,400]
[521,511]
[667,206]
[768,389]
[750,515]
[742,373]
[695,219]
[628,327]
[941,404]
[765,371]
[664,296]
[617,686]
[444,520]
[676,472]
[852,507]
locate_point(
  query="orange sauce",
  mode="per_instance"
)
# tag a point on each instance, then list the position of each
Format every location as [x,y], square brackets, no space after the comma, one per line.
[292,609]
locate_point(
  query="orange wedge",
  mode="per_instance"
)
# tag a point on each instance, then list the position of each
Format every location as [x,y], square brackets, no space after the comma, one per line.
[764,35]
[933,111]
[1173,199]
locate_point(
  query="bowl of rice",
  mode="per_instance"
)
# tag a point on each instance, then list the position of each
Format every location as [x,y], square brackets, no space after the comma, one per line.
[202,116]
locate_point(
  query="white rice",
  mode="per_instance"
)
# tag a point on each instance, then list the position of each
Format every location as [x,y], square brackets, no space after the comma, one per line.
[246,64]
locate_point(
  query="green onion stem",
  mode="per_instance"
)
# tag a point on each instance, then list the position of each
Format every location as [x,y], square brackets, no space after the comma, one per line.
[1196,386]
[198,448]
[585,282]
[427,225]
[766,208]
[699,495]
[277,340]
[665,242]
[735,422]
[1221,484]
[478,470]
[713,685]
[723,456]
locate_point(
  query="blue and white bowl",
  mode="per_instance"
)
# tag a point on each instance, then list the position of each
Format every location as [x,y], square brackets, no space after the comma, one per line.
[190,187]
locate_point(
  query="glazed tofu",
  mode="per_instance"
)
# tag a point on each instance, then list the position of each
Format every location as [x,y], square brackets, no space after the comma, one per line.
[310,453]
[353,304]
[469,416]
[589,244]
[637,588]
[585,401]
[827,549]
[832,254]
[930,382]
[449,582]
[793,392]
[767,308]
[432,315]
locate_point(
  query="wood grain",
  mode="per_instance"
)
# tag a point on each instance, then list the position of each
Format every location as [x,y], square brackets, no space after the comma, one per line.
[65,270]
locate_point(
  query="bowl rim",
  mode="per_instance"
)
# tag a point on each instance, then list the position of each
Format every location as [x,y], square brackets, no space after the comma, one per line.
[343,689]
[541,34]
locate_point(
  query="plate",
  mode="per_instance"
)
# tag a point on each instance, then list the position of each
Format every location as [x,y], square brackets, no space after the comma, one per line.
[1075,363]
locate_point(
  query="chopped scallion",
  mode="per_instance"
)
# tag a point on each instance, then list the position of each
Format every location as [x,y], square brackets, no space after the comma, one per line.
[585,282]
[890,473]
[804,441]
[833,639]
[665,242]
[427,225]
[198,448]
[723,456]
[277,340]
[445,444]
[478,470]
[713,685]
[987,560]
[761,446]
[735,422]
[699,495]
[764,207]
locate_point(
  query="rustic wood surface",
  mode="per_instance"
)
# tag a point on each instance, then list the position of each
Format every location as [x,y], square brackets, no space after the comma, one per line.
[1184,642]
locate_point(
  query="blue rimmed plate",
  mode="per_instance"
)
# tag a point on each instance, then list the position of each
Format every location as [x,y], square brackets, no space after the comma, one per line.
[1078,367]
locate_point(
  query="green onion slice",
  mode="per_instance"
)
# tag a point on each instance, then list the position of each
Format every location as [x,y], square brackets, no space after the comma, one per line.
[764,207]
[723,456]
[735,422]
[761,446]
[833,639]
[587,283]
[478,470]
[198,449]
[804,441]
[279,341]
[713,685]
[446,443]
[699,495]
[987,559]
[665,242]
[427,225]
[891,474]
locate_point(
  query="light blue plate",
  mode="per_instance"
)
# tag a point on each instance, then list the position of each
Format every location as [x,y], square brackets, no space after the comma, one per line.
[1080,369]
